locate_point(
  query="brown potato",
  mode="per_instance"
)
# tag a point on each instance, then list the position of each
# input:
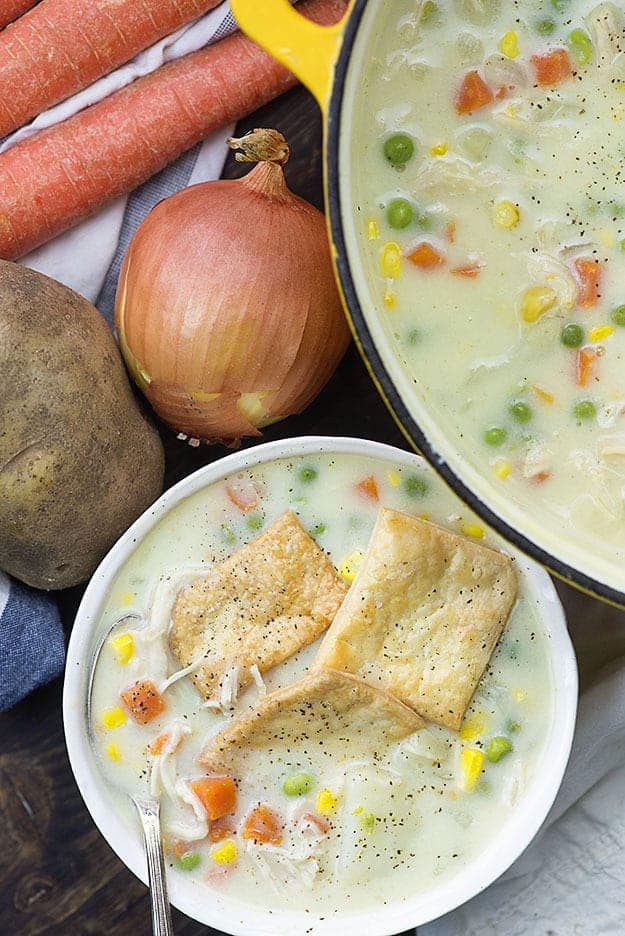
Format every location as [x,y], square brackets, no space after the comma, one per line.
[78,462]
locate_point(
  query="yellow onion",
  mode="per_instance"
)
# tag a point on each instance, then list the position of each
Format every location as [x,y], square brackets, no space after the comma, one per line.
[227,310]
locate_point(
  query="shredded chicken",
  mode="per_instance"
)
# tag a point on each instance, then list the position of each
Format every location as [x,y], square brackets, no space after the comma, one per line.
[548,271]
[454,177]
[228,690]
[258,680]
[605,24]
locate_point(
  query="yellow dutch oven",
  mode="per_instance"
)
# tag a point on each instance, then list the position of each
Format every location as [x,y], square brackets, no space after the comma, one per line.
[328,61]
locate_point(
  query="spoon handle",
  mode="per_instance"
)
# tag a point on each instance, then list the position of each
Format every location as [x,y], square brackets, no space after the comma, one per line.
[149,811]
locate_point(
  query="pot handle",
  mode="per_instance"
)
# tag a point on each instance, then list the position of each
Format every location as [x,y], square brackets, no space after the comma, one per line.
[307,49]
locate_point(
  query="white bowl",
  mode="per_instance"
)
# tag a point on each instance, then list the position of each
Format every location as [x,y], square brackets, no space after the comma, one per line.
[241,919]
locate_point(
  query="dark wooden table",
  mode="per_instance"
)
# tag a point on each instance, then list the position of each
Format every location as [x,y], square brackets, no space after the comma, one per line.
[57,874]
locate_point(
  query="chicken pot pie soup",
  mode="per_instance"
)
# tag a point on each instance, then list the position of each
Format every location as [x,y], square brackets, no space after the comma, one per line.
[485,169]
[293,774]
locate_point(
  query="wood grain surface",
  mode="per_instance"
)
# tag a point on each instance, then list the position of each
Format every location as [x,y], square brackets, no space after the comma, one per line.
[57,874]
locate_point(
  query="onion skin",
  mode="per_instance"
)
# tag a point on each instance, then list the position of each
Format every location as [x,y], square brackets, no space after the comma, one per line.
[227,290]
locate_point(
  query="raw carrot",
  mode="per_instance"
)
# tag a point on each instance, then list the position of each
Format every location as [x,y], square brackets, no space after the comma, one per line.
[144,701]
[62,46]
[588,276]
[473,94]
[11,9]
[53,180]
[218,795]
[425,256]
[263,825]
[552,68]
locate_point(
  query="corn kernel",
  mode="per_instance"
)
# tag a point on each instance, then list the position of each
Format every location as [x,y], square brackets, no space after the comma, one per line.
[600,332]
[126,598]
[350,565]
[326,802]
[114,717]
[358,810]
[502,469]
[124,647]
[390,259]
[606,238]
[509,44]
[506,215]
[471,761]
[473,726]
[536,301]
[373,229]
[226,853]
[439,149]
[390,299]
[113,752]
[394,477]
[519,695]
[473,529]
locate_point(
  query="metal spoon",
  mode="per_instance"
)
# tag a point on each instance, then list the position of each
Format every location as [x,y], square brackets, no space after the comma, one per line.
[148,808]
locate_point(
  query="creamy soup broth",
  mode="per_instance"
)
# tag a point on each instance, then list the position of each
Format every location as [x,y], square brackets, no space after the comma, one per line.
[486,173]
[400,821]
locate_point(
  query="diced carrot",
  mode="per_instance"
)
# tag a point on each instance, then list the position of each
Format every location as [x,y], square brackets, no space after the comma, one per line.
[425,256]
[263,825]
[221,829]
[180,847]
[552,68]
[540,478]
[158,744]
[218,795]
[450,232]
[473,94]
[243,493]
[369,488]
[55,178]
[585,361]
[144,701]
[543,394]
[588,275]
[11,9]
[320,822]
[470,270]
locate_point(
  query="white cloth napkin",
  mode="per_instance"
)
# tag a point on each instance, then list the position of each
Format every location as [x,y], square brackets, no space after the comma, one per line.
[81,257]
[571,879]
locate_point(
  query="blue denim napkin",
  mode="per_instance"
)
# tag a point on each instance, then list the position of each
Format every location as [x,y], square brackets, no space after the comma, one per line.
[32,650]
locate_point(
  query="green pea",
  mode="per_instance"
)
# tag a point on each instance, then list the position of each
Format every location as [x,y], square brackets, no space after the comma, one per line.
[297,784]
[560,5]
[415,486]
[255,522]
[580,45]
[497,748]
[520,411]
[545,27]
[367,822]
[572,335]
[585,409]
[427,10]
[307,474]
[189,861]
[399,213]
[319,529]
[496,435]
[399,149]
[618,316]
[512,726]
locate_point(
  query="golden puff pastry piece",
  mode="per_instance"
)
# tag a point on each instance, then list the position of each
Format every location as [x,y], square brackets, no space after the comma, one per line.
[273,596]
[423,616]
[303,717]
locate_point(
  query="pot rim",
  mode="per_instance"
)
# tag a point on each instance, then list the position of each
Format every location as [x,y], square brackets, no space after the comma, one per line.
[240,918]
[378,371]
